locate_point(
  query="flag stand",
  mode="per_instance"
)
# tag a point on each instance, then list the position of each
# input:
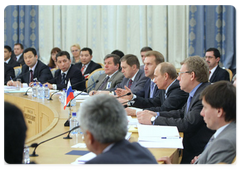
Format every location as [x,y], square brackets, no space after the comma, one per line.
[67,123]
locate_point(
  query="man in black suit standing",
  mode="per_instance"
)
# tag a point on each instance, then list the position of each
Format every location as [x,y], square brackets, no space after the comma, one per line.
[33,68]
[66,72]
[216,73]
[87,66]
[7,57]
[18,51]
[8,73]
[104,126]
[193,78]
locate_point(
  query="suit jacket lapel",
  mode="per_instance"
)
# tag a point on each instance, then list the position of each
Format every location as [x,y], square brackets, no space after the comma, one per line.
[214,74]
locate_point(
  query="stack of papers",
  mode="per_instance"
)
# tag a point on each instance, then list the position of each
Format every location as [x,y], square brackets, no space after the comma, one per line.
[159,136]
[84,158]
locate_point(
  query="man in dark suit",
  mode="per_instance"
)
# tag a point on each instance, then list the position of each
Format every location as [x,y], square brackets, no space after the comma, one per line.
[33,69]
[134,78]
[193,78]
[8,73]
[220,115]
[104,124]
[112,75]
[212,57]
[7,57]
[66,72]
[87,66]
[171,97]
[18,52]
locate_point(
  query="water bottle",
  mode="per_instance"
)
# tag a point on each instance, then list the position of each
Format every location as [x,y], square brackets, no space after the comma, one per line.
[74,123]
[63,96]
[46,92]
[40,91]
[34,90]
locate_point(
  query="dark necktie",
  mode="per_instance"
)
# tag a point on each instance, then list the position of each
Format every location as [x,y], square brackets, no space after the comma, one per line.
[103,83]
[63,78]
[31,76]
[130,83]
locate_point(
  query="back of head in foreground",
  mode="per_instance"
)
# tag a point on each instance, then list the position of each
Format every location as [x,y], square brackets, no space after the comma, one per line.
[14,134]
[103,122]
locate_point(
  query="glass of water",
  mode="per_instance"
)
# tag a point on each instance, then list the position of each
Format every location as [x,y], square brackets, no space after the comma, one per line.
[26,159]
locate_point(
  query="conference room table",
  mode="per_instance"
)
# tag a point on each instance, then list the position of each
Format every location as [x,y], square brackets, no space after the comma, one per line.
[45,119]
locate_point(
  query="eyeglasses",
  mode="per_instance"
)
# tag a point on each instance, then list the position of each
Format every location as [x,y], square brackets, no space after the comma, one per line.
[74,51]
[208,57]
[179,73]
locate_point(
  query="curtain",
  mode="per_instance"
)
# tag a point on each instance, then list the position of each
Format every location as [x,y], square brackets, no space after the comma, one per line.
[21,26]
[106,28]
[213,26]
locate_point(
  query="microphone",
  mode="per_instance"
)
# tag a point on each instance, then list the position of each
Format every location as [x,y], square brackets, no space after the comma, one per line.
[69,104]
[129,103]
[128,94]
[50,98]
[35,145]
[27,90]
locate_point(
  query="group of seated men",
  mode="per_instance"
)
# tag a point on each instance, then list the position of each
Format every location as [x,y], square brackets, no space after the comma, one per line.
[186,99]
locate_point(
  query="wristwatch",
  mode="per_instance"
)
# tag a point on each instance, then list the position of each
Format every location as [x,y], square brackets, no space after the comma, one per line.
[153,119]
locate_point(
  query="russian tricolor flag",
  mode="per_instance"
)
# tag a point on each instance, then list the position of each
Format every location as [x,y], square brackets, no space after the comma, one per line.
[69,94]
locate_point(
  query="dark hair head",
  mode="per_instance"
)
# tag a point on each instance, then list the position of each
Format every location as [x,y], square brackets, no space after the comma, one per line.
[116,58]
[14,134]
[21,46]
[221,94]
[131,60]
[87,49]
[8,48]
[118,52]
[30,49]
[61,53]
[215,52]
[55,49]
[144,49]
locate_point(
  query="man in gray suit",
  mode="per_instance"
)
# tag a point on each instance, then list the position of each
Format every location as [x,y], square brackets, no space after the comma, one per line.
[134,78]
[219,113]
[112,75]
[103,122]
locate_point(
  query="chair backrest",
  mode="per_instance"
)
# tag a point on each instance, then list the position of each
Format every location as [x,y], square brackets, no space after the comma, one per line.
[101,65]
[17,70]
[230,73]
[53,71]
[93,77]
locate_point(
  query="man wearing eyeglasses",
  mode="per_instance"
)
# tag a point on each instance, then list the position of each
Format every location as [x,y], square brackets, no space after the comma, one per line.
[87,66]
[193,78]
[216,73]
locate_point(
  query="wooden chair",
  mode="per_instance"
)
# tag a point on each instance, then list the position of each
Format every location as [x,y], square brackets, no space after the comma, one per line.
[230,73]
[17,70]
[101,65]
[53,71]
[93,77]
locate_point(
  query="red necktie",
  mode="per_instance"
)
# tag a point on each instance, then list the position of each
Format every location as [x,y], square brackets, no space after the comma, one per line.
[130,83]
[31,76]
[82,69]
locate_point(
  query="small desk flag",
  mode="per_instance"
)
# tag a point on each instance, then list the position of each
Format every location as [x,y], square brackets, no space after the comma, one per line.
[69,94]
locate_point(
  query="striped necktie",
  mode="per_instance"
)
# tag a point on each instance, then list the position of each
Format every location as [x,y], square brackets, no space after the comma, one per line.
[82,69]
[130,83]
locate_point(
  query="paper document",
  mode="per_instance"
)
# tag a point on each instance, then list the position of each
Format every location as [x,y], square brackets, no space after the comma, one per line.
[159,136]
[84,158]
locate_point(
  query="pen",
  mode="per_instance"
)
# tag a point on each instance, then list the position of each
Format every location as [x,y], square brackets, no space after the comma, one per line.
[170,137]
[11,79]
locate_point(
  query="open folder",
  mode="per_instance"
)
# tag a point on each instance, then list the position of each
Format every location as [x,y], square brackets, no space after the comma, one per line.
[159,136]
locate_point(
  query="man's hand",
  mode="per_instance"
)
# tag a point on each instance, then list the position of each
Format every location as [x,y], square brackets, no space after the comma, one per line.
[121,92]
[144,117]
[194,159]
[130,112]
[165,160]
[11,83]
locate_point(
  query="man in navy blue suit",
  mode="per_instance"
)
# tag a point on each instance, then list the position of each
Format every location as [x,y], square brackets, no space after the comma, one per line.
[216,73]
[66,72]
[103,122]
[32,69]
